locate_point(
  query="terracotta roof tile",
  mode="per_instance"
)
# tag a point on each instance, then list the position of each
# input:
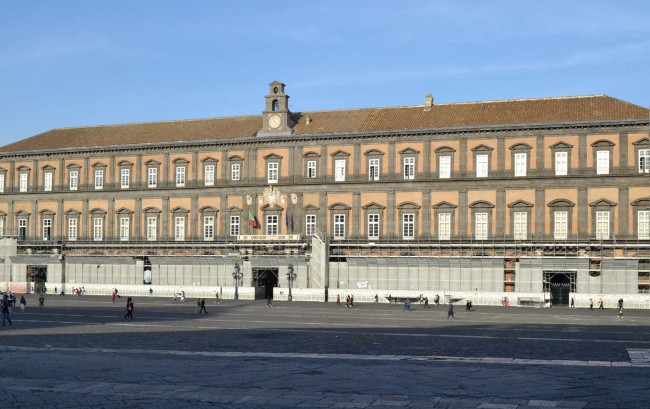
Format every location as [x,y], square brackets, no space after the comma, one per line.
[486,113]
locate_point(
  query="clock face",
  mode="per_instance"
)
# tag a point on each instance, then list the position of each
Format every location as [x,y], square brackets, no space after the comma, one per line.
[274,121]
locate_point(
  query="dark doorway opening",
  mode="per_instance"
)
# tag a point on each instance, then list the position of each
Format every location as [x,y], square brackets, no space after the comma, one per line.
[560,284]
[266,279]
[38,276]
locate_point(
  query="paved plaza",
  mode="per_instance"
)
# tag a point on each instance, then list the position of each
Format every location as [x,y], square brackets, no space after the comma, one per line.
[81,352]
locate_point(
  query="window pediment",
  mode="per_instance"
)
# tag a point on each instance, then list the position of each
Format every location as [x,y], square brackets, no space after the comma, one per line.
[339,206]
[205,209]
[340,154]
[124,211]
[234,209]
[46,212]
[482,148]
[124,163]
[180,161]
[273,156]
[235,158]
[603,143]
[445,149]
[481,204]
[374,152]
[152,162]
[311,155]
[373,206]
[408,206]
[311,208]
[521,147]
[602,203]
[179,209]
[409,151]
[561,203]
[209,159]
[152,210]
[561,145]
[520,204]
[642,142]
[48,168]
[444,205]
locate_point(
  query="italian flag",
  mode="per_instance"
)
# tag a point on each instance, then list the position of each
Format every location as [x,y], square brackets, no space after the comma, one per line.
[251,219]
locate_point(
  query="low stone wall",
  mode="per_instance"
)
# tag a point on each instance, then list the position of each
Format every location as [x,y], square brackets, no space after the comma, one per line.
[245,293]
[299,294]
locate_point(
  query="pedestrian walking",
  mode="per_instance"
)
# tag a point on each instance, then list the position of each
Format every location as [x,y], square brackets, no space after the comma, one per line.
[5,310]
[573,303]
[113,296]
[269,302]
[23,303]
[468,306]
[338,299]
[620,303]
[202,306]
[347,301]
[41,301]
[129,309]
[182,296]
[620,312]
[450,311]
[591,304]
[600,305]
[407,304]
[426,302]
[351,301]
[376,298]
[198,306]
[150,291]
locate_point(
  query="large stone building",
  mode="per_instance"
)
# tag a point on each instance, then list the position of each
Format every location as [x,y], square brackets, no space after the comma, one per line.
[534,199]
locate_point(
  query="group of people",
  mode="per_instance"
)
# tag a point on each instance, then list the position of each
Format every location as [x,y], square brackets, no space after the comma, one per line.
[349,301]
[78,291]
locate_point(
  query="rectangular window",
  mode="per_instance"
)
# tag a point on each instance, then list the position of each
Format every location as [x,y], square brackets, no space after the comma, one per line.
[235,171]
[373,169]
[152,228]
[152,177]
[373,226]
[2,182]
[73,229]
[234,225]
[481,166]
[561,225]
[408,226]
[481,226]
[180,176]
[208,228]
[311,169]
[99,179]
[521,226]
[47,229]
[124,228]
[208,178]
[22,229]
[74,179]
[561,163]
[602,225]
[409,168]
[310,224]
[98,228]
[520,164]
[23,182]
[339,170]
[47,182]
[445,167]
[272,225]
[643,227]
[644,160]
[272,172]
[339,226]
[125,178]
[444,226]
[2,226]
[179,228]
[602,162]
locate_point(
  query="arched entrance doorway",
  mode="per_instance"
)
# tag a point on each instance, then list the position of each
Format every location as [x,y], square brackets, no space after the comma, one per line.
[559,285]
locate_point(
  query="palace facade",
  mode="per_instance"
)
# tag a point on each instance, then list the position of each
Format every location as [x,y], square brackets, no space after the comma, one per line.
[535,199]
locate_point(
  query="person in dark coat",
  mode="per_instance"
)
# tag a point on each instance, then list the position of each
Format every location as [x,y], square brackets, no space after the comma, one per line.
[129,309]
[203,306]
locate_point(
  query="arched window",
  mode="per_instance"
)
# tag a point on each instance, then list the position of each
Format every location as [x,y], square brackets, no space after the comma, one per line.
[275,106]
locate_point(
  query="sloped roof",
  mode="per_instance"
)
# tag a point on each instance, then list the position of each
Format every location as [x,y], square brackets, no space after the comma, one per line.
[440,116]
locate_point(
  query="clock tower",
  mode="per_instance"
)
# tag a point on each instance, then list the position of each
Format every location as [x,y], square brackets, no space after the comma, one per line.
[275,117]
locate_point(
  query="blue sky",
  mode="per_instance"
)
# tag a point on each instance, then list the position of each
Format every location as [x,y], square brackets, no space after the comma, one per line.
[77,63]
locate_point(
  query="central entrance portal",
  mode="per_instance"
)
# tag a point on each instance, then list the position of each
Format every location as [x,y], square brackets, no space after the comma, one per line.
[560,284]
[266,278]
[38,276]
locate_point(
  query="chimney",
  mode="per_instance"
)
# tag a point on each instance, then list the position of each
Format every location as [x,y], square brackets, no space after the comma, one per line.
[308,120]
[428,102]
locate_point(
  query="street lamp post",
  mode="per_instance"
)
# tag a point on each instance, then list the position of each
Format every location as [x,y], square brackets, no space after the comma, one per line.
[237,275]
[290,277]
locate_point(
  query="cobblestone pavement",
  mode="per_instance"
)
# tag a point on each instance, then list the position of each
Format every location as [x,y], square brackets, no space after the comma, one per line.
[80,352]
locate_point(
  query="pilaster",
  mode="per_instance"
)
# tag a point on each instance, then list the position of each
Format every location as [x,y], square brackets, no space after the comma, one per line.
[501,213]
[462,211]
[623,211]
[583,212]
[540,212]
